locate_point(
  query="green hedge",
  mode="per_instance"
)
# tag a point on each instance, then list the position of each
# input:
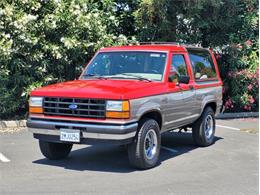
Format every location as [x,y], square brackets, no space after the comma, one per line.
[229,27]
[43,42]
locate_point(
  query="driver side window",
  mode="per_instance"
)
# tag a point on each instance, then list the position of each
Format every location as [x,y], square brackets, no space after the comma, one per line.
[179,65]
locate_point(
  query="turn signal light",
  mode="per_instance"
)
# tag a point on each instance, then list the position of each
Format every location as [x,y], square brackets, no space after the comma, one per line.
[36,110]
[118,115]
[125,106]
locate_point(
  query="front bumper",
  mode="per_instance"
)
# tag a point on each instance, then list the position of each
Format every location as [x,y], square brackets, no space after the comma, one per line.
[49,130]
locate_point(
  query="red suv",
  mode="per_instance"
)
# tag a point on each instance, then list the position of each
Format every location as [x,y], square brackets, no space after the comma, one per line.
[129,95]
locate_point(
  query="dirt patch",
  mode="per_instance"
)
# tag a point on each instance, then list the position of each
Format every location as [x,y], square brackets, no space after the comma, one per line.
[12,130]
[255,131]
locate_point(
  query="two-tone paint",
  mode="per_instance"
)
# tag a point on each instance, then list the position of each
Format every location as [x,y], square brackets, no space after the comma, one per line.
[177,105]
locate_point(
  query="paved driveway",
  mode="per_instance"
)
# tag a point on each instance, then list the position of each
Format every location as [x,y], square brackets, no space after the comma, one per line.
[230,166]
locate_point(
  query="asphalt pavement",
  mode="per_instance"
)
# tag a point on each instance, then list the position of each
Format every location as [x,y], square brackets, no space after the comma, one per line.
[230,166]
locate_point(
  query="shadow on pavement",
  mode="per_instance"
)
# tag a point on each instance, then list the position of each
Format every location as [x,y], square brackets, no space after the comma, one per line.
[114,158]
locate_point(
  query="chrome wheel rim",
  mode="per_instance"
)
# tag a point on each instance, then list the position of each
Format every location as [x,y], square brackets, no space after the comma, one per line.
[150,144]
[209,126]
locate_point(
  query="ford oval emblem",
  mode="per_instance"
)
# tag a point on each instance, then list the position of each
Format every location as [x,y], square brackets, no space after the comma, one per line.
[73,106]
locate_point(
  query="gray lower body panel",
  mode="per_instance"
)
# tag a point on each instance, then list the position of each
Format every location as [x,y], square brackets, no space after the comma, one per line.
[87,130]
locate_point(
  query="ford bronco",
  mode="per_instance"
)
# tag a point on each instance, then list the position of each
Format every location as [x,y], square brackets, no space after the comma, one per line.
[130,95]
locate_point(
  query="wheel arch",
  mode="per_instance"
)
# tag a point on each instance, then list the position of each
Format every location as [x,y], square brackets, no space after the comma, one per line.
[211,104]
[153,114]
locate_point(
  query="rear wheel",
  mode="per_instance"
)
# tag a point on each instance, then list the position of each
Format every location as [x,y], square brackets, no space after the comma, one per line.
[55,151]
[144,151]
[203,130]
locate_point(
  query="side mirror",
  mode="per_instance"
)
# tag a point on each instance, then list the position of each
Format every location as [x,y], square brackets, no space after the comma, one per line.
[184,79]
[173,77]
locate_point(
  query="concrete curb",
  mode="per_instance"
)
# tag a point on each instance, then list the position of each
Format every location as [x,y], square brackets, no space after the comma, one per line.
[237,115]
[22,123]
[12,124]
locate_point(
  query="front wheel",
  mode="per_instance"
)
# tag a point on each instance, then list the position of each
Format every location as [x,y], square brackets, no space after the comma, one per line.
[55,151]
[203,130]
[144,151]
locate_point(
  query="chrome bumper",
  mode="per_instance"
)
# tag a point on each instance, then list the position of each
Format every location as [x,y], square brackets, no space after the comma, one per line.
[89,131]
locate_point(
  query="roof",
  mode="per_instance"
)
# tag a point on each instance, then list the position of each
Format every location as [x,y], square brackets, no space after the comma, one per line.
[154,47]
[146,48]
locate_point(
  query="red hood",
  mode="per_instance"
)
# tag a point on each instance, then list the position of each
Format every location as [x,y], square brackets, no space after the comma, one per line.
[103,89]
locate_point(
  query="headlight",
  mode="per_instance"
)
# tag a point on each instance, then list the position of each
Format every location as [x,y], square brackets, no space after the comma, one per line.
[35,105]
[118,109]
[117,106]
[36,101]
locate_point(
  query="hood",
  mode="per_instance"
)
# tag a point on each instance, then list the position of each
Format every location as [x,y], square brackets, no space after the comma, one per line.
[101,89]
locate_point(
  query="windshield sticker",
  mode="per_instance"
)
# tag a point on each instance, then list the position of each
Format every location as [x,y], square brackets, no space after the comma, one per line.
[155,55]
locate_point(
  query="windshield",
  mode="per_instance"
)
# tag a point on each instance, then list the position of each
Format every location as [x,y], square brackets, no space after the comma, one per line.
[127,65]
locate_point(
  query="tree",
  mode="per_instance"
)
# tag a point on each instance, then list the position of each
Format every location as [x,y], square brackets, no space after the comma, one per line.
[42,42]
[230,27]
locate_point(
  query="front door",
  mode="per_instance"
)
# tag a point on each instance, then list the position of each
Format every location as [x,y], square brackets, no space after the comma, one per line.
[185,110]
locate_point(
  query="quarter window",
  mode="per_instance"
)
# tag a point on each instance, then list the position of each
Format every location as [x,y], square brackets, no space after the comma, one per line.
[202,65]
[179,65]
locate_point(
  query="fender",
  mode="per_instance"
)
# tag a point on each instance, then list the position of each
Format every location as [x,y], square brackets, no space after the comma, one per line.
[142,106]
[209,95]
[204,105]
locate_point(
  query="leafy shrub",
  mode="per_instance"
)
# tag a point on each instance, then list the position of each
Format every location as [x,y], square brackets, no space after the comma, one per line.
[242,92]
[229,27]
[240,73]
[42,42]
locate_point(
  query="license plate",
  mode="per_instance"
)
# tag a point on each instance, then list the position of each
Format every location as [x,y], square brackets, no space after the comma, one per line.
[70,135]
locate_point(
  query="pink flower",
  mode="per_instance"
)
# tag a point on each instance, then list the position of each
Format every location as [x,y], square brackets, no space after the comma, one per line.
[229,103]
[230,74]
[249,43]
[247,107]
[256,74]
[241,72]
[223,90]
[250,87]
[239,46]
[251,99]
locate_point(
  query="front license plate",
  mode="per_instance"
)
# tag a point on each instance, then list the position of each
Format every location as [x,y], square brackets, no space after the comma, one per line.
[70,135]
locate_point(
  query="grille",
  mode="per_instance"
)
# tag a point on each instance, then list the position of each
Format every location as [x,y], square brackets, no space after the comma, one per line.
[89,108]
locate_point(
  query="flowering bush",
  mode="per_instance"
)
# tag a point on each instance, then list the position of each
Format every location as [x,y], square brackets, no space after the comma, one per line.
[239,62]
[241,93]
[42,42]
[240,72]
[229,27]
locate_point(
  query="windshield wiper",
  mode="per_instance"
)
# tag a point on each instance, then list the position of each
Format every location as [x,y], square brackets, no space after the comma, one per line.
[94,75]
[140,78]
[89,75]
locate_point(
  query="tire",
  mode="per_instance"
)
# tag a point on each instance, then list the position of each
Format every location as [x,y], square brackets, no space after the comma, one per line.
[144,151]
[55,151]
[203,132]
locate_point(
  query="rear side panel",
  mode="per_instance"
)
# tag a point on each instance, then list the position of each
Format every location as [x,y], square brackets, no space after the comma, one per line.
[208,90]
[209,95]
